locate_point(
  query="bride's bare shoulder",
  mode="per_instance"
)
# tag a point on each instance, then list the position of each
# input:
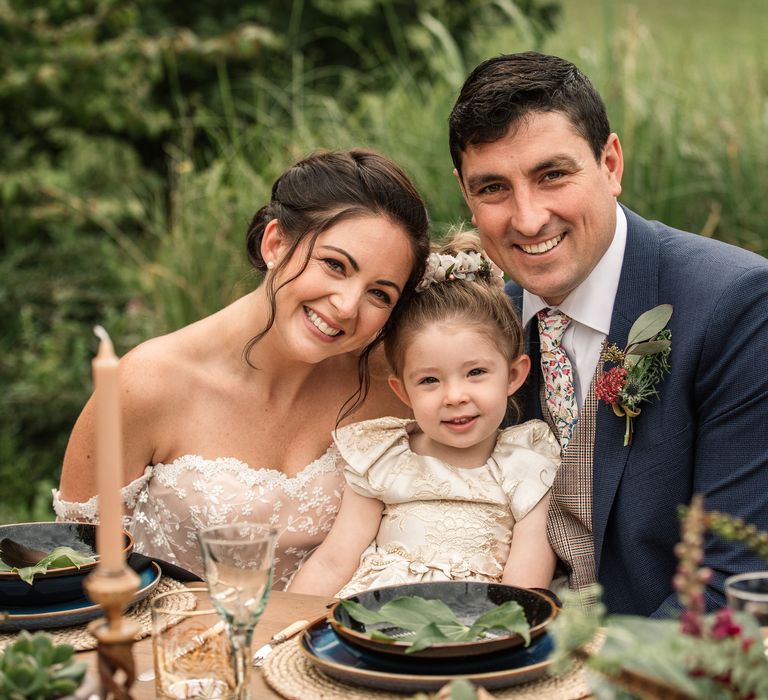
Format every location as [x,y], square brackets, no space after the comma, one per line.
[167,363]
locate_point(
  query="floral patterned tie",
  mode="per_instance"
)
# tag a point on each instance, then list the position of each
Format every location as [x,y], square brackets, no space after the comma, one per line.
[558,373]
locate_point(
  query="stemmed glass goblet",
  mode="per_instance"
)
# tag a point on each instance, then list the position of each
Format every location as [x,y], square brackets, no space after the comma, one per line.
[238,560]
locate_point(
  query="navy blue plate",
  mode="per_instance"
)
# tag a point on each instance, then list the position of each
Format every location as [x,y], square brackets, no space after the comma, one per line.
[71,612]
[57,585]
[466,599]
[350,664]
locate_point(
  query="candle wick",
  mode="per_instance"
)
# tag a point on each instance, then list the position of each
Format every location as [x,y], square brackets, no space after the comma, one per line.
[102,334]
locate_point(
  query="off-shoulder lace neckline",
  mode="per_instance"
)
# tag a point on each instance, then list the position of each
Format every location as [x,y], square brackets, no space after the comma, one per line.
[325,462]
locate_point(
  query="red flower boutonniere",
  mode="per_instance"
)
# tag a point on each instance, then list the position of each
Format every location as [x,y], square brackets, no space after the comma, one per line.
[639,367]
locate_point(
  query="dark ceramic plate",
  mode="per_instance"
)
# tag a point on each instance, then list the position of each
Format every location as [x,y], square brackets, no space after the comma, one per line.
[71,612]
[467,599]
[337,658]
[56,585]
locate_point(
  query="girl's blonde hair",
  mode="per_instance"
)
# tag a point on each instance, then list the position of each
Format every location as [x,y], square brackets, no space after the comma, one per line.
[479,304]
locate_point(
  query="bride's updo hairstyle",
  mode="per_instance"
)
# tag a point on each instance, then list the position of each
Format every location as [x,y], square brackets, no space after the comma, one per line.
[477,301]
[324,189]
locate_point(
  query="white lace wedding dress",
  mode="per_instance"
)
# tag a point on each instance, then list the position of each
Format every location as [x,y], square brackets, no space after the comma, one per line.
[169,503]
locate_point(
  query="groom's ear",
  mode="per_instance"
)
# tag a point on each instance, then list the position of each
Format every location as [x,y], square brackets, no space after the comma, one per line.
[518,372]
[397,386]
[464,193]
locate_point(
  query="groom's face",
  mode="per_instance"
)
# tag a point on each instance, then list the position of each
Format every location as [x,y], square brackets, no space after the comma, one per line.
[545,208]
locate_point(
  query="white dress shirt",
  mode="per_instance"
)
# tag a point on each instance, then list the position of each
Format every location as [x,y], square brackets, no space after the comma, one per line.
[590,307]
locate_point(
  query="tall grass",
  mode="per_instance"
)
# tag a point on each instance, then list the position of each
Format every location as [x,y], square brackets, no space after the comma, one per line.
[695,139]
[690,107]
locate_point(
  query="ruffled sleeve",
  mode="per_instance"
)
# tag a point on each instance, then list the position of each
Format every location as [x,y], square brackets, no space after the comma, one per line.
[371,451]
[89,510]
[525,460]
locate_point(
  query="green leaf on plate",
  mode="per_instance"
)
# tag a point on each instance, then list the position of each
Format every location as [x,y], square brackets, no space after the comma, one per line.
[649,324]
[55,559]
[508,616]
[433,622]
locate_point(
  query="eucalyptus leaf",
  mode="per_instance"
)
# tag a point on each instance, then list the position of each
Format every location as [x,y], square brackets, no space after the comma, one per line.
[649,324]
[648,347]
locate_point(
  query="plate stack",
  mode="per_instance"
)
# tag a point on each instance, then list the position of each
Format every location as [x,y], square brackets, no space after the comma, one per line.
[342,648]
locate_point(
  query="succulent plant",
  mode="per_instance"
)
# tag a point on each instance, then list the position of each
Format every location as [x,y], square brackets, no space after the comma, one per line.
[34,668]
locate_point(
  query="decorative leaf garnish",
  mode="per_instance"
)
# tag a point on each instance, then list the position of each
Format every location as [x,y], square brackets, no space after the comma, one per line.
[649,324]
[55,559]
[649,347]
[433,622]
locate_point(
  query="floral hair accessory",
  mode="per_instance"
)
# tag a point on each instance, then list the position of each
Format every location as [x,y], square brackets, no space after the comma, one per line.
[465,265]
[639,367]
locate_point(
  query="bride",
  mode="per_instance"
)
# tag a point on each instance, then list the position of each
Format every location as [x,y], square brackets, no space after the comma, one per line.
[230,418]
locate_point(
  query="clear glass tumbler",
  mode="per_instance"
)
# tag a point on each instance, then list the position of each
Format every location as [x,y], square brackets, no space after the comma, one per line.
[192,652]
[749,593]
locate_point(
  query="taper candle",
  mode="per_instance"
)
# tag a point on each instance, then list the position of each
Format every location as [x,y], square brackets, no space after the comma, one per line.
[109,454]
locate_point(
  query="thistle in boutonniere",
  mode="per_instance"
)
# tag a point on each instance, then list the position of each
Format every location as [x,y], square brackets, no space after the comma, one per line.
[638,368]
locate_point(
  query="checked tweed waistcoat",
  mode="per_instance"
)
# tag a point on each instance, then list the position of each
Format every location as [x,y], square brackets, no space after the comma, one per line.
[569,524]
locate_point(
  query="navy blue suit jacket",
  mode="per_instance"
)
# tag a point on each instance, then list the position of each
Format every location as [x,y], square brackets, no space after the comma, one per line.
[707,432]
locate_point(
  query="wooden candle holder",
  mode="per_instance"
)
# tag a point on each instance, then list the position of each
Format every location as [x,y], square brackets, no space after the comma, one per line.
[116,635]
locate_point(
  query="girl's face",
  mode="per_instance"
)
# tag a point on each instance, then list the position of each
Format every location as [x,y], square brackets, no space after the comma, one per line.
[457,381]
[355,276]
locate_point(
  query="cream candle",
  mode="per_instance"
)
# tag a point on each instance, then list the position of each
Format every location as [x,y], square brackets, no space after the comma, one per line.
[109,454]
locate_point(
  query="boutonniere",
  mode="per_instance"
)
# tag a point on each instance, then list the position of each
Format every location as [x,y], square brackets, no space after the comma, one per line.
[639,367]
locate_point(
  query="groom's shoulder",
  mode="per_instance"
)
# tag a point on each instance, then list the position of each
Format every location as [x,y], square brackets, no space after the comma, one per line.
[682,249]
[515,293]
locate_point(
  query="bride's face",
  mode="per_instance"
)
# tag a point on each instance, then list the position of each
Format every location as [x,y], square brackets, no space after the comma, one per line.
[355,275]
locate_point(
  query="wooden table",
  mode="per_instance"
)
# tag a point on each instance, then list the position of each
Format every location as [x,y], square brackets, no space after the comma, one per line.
[281,610]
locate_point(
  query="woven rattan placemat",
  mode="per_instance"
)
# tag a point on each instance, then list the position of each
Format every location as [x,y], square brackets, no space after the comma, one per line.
[82,640]
[289,673]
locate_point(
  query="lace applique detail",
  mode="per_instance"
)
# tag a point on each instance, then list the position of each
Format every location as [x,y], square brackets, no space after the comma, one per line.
[169,503]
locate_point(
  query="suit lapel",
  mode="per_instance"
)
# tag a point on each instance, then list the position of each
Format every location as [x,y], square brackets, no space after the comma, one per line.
[637,292]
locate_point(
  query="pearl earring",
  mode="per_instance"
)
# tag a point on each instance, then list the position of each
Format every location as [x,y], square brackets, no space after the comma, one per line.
[270,264]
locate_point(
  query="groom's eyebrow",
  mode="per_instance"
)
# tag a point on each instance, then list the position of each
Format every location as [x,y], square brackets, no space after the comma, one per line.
[356,267]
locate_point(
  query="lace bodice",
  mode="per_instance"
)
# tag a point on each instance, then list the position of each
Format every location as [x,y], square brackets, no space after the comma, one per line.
[442,522]
[169,503]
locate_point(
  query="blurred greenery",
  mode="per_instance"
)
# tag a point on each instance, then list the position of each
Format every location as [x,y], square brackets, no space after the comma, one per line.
[139,137]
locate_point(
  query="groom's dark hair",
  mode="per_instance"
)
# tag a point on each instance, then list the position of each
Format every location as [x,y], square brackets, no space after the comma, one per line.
[504,90]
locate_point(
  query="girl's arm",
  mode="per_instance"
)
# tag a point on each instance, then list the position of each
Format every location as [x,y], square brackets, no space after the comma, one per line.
[335,560]
[531,562]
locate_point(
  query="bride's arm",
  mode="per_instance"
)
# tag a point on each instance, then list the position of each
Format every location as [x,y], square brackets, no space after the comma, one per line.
[336,559]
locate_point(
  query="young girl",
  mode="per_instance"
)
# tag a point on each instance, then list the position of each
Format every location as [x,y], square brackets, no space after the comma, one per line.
[448,495]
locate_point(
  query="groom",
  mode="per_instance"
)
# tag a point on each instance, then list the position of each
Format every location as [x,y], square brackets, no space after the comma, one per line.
[541,173]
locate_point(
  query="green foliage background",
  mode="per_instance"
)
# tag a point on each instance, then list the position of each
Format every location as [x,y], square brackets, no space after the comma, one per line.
[138,136]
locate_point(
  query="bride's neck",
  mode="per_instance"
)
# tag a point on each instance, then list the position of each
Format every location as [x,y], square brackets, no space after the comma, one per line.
[278,376]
